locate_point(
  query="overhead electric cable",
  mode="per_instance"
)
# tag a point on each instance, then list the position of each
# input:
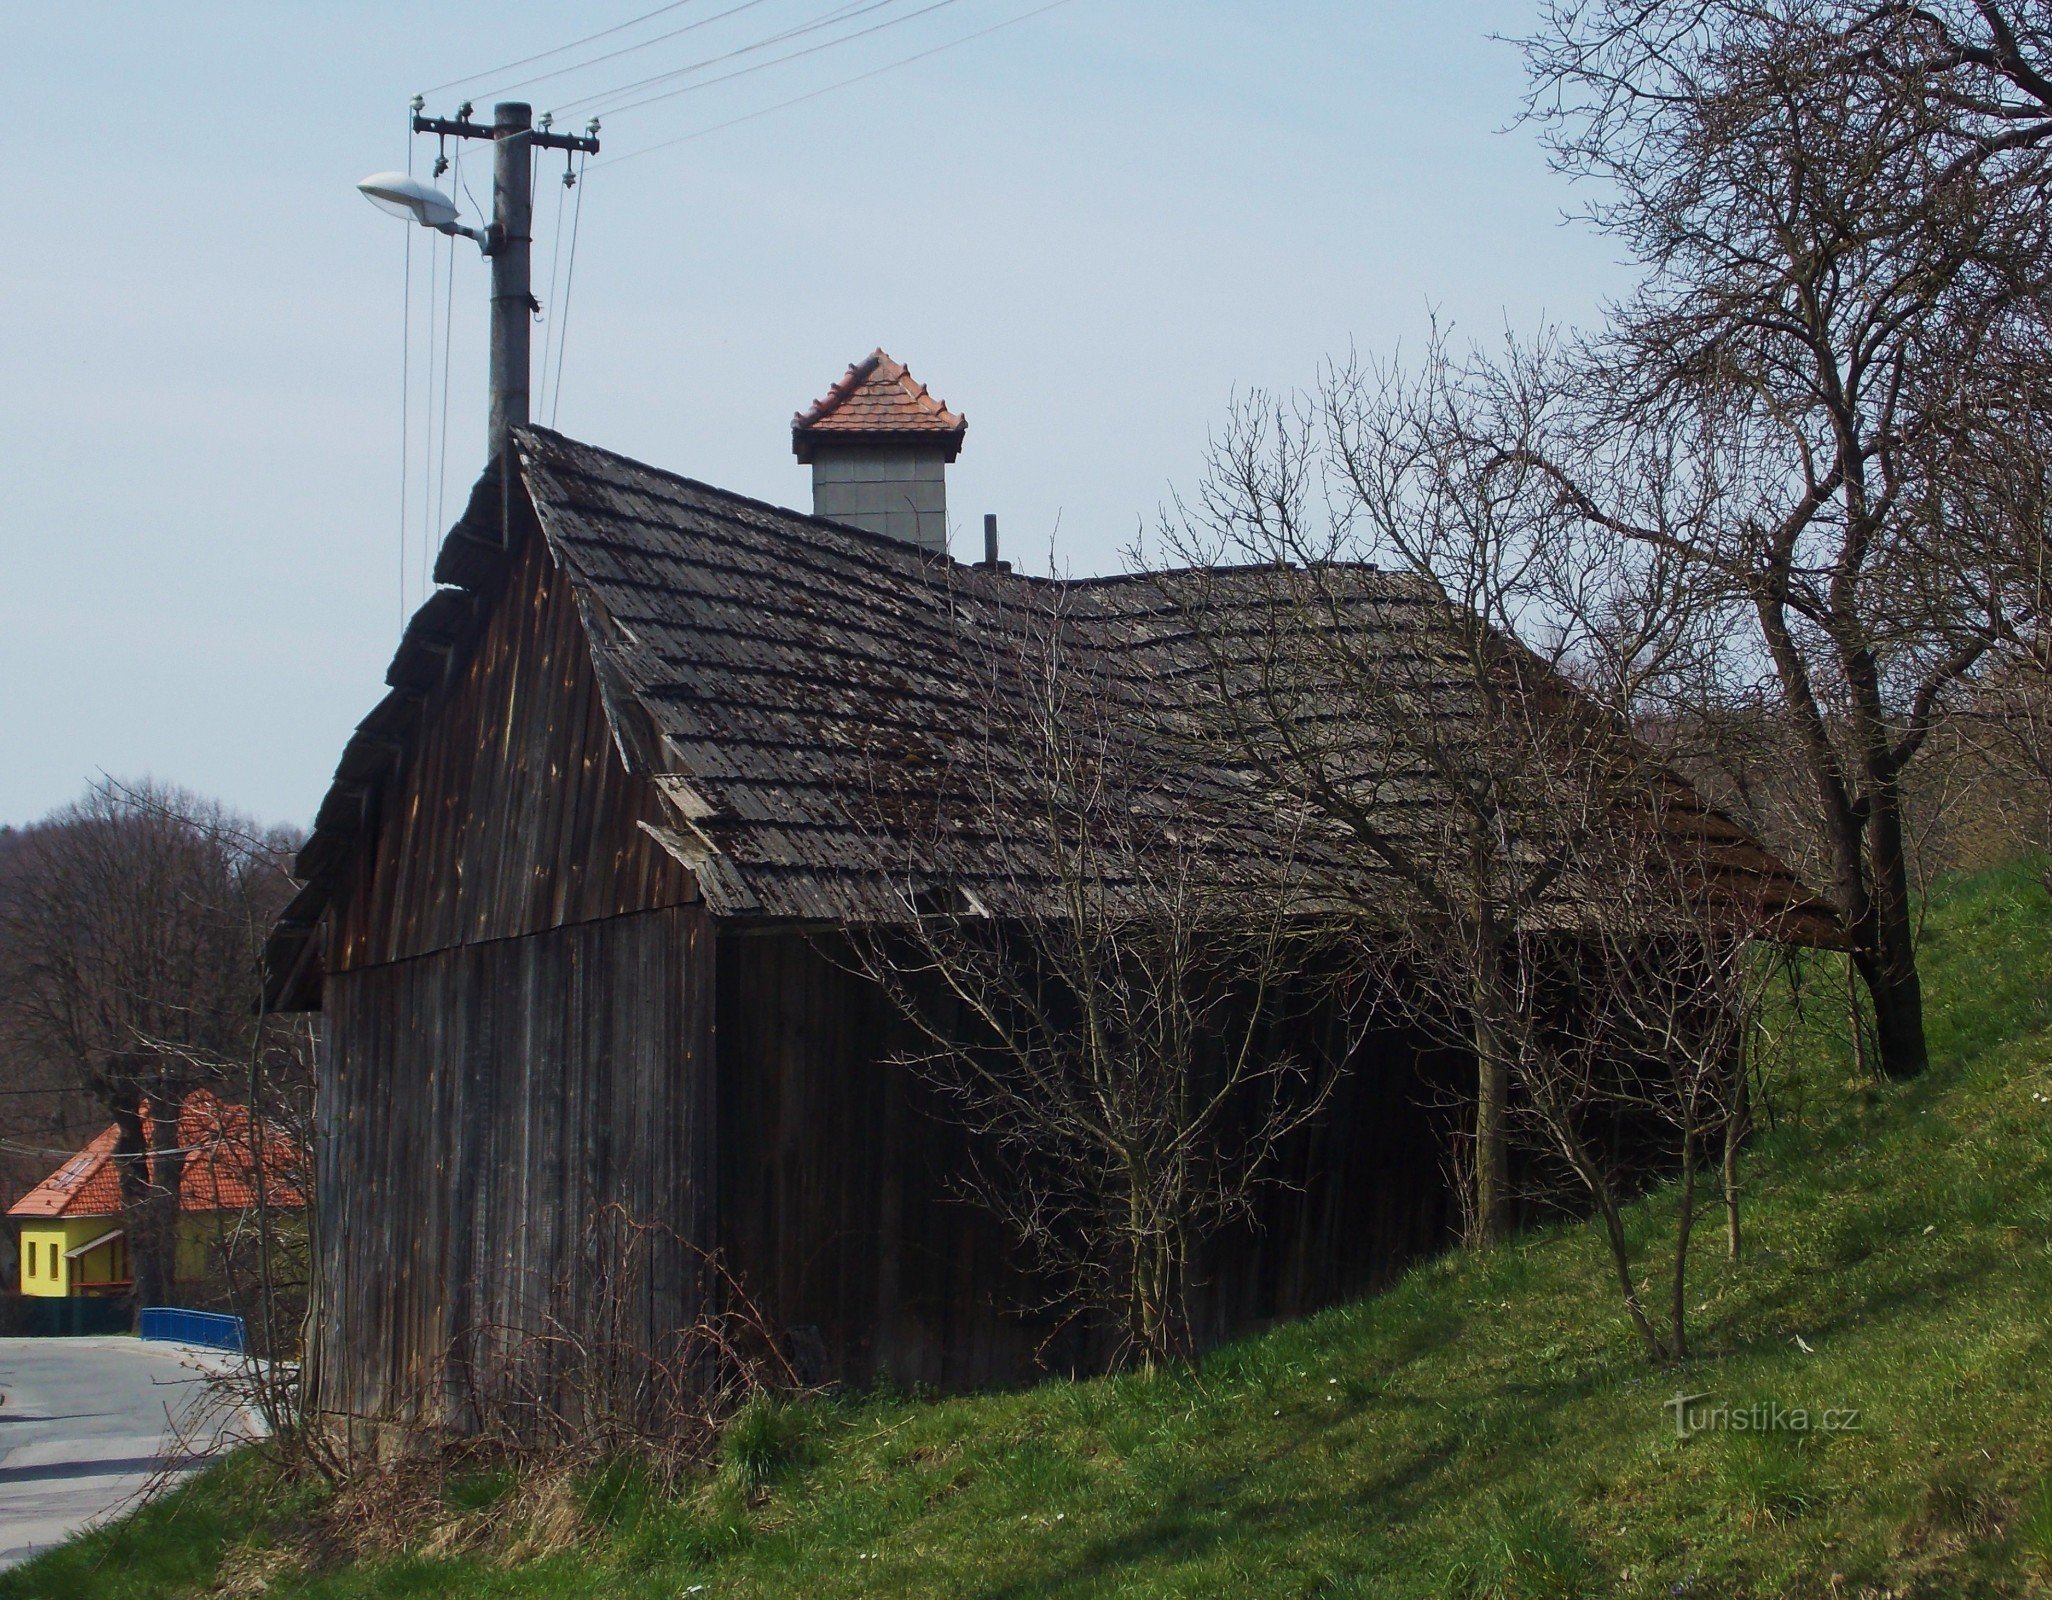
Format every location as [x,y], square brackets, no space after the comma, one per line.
[814,94]
[569,280]
[427,452]
[589,38]
[405,390]
[432,543]
[554,310]
[630,49]
[432,534]
[604,98]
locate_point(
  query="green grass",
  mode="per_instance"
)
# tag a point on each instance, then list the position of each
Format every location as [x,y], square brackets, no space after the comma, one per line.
[1484,1428]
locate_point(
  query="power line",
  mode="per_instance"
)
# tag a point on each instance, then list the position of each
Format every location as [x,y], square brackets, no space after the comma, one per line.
[814,94]
[590,38]
[432,542]
[569,280]
[555,264]
[427,449]
[431,535]
[845,13]
[405,391]
[628,50]
[780,60]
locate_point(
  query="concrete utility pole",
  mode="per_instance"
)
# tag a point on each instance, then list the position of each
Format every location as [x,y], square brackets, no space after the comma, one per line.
[512,274]
[510,245]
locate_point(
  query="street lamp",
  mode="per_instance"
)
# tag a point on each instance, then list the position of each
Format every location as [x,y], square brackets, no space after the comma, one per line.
[508,242]
[404,196]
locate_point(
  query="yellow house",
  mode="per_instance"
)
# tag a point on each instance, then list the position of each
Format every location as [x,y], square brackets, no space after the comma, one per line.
[73,1237]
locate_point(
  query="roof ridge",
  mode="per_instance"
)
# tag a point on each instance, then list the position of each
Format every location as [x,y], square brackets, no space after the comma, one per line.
[869,536]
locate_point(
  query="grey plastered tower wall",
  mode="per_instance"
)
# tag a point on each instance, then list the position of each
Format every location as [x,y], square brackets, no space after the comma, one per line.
[879,445]
[902,492]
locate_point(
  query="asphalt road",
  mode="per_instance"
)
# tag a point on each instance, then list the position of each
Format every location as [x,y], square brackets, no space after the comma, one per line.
[87,1424]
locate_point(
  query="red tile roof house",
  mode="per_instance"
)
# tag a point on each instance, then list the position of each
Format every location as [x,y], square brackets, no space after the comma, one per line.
[74,1240]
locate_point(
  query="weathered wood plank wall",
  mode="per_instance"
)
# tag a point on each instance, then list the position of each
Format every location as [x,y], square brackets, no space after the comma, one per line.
[837,1206]
[518,1011]
[482,1107]
[514,813]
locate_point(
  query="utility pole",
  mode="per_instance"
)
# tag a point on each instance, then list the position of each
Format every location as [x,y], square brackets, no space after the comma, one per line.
[512,273]
[510,245]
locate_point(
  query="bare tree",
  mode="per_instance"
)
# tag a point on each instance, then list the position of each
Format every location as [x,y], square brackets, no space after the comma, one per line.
[1644,1068]
[1454,778]
[1822,397]
[130,928]
[1461,730]
[1125,1010]
[2011,719]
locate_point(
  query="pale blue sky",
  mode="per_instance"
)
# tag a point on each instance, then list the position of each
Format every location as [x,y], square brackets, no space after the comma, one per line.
[1085,231]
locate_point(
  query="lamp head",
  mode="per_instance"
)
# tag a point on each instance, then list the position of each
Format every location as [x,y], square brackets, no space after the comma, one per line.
[405,196]
[408,197]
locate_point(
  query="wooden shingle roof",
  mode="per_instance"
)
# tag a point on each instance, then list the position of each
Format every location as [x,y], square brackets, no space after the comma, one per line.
[791,684]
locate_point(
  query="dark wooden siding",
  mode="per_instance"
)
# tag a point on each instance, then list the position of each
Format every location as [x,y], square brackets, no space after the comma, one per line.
[481,1108]
[518,1038]
[835,1202]
[514,812]
[837,1207]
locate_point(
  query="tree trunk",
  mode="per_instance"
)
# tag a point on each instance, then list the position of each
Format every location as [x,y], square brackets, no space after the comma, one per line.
[1605,1198]
[1886,948]
[1864,834]
[154,1245]
[1490,1217]
[1684,1226]
[1737,1117]
[132,1171]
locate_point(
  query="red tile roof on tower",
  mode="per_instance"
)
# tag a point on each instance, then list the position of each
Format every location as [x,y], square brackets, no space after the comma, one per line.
[877,400]
[220,1174]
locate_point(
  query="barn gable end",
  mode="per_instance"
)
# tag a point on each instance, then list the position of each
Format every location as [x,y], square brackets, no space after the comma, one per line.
[514,812]
[517,1004]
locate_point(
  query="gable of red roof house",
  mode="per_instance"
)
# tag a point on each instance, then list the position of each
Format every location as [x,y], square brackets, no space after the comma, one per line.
[220,1168]
[85,1186]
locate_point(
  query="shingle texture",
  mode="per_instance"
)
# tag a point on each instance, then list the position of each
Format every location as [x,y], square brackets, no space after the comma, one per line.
[877,402]
[820,709]
[219,1175]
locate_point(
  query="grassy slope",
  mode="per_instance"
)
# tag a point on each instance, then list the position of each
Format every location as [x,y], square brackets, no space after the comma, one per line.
[1485,1427]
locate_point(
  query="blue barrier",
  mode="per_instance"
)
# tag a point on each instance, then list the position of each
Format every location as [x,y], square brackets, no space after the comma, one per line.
[210,1328]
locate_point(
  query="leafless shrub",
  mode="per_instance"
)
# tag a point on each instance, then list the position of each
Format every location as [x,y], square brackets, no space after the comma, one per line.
[1126,1012]
[599,1390]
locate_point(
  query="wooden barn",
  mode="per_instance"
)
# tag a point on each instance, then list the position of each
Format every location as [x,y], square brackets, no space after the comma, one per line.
[569,913]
